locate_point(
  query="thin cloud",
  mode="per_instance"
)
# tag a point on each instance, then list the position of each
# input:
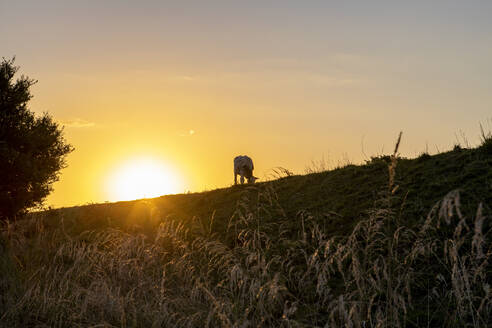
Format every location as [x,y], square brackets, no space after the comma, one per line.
[332,81]
[77,123]
[186,78]
[182,78]
[190,133]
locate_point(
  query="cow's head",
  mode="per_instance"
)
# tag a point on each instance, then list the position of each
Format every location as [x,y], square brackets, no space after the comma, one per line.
[252,179]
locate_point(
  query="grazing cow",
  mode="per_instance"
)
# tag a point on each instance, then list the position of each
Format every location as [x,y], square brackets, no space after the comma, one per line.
[243,165]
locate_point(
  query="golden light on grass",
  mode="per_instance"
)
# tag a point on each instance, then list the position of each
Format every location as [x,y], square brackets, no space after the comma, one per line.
[142,178]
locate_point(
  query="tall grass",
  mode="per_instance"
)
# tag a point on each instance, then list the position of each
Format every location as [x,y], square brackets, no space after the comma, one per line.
[267,269]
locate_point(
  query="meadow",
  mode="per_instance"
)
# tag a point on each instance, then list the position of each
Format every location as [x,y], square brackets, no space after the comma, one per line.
[394,242]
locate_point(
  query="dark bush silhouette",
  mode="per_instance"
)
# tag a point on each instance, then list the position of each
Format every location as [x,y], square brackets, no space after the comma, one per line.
[32,149]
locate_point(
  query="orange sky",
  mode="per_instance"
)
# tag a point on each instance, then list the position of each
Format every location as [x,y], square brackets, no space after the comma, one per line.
[284,82]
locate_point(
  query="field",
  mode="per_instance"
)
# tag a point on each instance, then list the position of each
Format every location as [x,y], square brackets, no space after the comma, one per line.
[392,243]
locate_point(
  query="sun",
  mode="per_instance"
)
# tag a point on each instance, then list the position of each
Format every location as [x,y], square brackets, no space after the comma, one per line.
[142,178]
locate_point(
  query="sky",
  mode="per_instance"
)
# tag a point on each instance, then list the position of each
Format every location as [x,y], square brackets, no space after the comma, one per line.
[188,85]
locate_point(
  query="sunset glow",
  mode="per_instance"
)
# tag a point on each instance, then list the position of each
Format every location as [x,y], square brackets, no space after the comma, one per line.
[197,83]
[142,178]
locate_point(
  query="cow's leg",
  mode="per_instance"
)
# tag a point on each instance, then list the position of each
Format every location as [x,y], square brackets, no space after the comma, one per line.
[242,179]
[235,178]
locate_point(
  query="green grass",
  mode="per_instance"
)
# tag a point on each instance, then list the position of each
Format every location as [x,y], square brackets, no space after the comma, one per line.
[335,248]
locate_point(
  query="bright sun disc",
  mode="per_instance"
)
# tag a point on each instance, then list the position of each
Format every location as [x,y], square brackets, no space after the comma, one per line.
[142,178]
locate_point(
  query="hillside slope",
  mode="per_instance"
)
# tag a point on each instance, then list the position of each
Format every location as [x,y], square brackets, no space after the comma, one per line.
[346,193]
[336,248]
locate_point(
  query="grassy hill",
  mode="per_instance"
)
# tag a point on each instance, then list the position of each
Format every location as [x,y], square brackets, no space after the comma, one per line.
[345,247]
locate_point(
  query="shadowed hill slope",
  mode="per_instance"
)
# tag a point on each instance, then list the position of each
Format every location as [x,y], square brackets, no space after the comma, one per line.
[344,193]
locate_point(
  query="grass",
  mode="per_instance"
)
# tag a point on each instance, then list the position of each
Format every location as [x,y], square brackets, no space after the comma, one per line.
[392,243]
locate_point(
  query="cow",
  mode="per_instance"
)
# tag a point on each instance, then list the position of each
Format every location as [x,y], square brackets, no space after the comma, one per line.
[243,165]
